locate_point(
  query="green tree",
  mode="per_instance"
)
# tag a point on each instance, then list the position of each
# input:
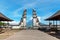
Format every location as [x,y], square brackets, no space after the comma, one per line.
[1,24]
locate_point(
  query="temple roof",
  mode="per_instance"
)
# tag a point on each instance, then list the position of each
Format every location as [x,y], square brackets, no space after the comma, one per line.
[56,16]
[4,18]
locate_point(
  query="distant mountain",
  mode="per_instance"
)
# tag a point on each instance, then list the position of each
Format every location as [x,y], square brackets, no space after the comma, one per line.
[42,23]
[29,23]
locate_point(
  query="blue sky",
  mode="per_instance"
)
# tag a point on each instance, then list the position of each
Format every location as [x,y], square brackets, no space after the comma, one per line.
[14,8]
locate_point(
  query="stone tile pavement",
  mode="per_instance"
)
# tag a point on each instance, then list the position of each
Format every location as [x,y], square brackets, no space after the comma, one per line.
[31,35]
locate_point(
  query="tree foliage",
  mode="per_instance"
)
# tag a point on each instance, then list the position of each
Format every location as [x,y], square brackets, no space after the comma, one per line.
[2,23]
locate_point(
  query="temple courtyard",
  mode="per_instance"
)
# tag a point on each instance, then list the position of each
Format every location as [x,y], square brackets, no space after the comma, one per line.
[7,33]
[30,35]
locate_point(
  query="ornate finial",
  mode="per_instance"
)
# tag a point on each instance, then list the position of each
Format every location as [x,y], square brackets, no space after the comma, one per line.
[25,10]
[34,10]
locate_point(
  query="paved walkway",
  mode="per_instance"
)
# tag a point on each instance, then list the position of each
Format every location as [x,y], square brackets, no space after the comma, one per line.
[31,35]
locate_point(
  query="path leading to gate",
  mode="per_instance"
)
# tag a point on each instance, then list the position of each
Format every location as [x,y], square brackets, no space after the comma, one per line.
[31,35]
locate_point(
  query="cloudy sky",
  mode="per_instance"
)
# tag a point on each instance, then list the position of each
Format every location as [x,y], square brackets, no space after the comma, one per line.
[14,8]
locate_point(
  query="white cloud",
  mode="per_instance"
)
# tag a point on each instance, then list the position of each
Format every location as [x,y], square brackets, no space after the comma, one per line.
[14,22]
[26,6]
[16,12]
